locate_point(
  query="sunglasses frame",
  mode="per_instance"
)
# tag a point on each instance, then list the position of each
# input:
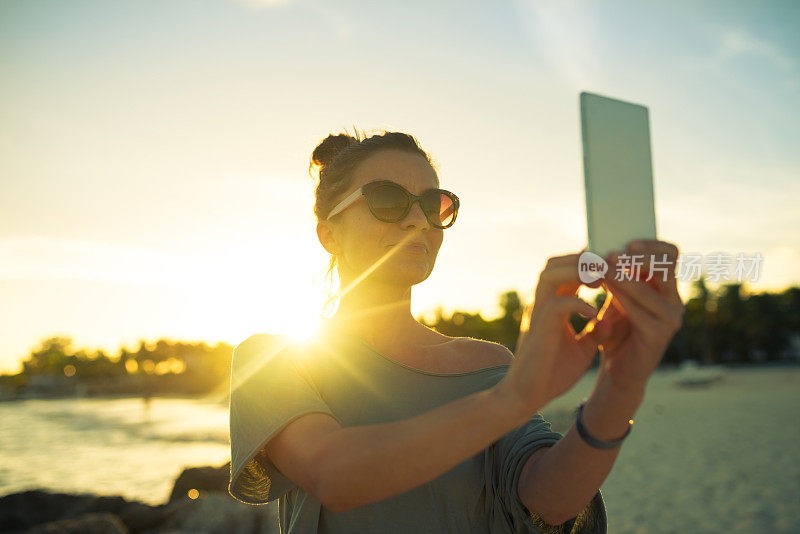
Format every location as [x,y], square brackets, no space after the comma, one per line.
[366,188]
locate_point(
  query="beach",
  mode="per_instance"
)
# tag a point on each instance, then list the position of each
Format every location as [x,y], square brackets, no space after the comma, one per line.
[716,458]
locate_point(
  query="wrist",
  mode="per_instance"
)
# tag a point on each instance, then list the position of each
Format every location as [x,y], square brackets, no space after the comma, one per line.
[629,392]
[508,405]
[631,388]
[608,410]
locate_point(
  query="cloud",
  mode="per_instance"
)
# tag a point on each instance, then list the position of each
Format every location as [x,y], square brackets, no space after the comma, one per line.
[564,34]
[735,42]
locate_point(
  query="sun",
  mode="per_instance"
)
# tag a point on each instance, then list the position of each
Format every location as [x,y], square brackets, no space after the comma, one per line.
[302,331]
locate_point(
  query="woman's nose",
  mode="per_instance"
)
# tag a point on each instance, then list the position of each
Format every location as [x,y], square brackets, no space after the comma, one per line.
[415,217]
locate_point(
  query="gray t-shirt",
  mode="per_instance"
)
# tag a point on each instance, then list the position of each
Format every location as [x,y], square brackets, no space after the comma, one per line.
[275,380]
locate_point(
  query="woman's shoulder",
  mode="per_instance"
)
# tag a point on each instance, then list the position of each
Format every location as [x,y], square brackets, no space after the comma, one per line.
[257,343]
[263,347]
[483,353]
[487,351]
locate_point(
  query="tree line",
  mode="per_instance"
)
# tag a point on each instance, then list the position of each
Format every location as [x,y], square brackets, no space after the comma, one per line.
[725,326]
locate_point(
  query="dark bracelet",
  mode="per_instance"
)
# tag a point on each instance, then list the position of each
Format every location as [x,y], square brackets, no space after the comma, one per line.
[597,442]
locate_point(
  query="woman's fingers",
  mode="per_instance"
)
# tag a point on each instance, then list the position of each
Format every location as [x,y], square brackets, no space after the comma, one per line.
[657,261]
[607,326]
[659,273]
[563,306]
[642,319]
[544,319]
[639,299]
[655,246]
[551,311]
[559,309]
[646,296]
[558,278]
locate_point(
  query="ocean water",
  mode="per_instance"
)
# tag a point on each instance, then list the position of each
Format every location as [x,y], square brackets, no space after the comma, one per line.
[109,446]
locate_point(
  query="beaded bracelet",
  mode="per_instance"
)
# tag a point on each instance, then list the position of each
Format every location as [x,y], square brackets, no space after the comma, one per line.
[597,442]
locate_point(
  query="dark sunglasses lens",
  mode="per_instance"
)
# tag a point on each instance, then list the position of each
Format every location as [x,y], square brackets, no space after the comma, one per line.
[440,208]
[388,202]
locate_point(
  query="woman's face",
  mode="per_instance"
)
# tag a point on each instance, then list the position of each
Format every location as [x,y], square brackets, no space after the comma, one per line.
[361,241]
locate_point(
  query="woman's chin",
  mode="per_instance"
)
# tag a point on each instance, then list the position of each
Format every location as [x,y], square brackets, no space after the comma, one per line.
[409,272]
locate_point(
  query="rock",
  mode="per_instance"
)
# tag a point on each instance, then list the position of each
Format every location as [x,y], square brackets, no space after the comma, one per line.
[202,479]
[16,511]
[29,508]
[140,517]
[212,511]
[23,510]
[94,523]
[217,513]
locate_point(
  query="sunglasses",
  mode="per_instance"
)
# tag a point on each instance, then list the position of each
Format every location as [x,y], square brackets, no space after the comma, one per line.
[391,202]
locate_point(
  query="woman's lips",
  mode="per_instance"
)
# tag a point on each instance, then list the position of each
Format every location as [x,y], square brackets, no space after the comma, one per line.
[418,248]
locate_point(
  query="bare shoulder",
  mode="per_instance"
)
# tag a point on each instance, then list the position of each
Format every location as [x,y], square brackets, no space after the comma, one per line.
[257,342]
[486,353]
[257,345]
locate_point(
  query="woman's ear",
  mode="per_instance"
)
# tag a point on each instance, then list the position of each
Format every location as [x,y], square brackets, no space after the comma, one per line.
[328,237]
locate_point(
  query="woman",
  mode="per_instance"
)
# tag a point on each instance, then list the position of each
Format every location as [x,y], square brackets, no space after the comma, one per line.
[381,424]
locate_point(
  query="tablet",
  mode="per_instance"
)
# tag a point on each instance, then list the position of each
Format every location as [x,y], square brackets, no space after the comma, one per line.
[618,173]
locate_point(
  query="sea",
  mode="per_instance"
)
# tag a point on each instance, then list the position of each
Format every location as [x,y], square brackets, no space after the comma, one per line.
[109,446]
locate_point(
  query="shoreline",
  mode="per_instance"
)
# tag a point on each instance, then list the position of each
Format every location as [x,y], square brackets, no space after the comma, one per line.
[113,396]
[665,368]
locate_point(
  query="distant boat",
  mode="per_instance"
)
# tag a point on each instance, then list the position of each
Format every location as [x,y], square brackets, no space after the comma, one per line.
[690,373]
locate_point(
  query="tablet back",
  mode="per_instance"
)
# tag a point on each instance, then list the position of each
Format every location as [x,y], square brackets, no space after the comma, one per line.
[617,171]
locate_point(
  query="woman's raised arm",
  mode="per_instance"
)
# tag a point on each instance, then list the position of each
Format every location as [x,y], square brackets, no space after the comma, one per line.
[347,467]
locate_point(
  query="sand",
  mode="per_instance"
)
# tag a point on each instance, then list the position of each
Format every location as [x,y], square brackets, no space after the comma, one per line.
[717,458]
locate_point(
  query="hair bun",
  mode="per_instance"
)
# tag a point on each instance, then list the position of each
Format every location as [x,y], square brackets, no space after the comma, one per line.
[327,150]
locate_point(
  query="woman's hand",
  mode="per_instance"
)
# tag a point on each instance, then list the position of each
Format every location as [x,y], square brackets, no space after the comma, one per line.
[640,317]
[549,356]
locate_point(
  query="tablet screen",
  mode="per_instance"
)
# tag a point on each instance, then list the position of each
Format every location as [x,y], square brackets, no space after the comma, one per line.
[617,172]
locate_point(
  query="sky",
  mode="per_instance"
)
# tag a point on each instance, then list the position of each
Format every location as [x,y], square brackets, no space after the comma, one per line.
[154,154]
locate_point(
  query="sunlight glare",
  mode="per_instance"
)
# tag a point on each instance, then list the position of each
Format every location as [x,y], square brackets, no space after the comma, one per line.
[302,331]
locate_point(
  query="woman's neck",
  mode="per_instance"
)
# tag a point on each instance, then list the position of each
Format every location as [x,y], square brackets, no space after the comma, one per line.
[380,318]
